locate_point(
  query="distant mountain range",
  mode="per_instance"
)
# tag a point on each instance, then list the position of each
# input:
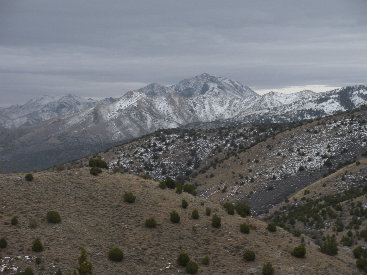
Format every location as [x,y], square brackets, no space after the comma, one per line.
[80,127]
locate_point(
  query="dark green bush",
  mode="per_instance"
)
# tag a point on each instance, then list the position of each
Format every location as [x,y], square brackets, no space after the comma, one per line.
[129,197]
[272,227]
[208,211]
[115,254]
[162,185]
[184,204]
[361,263]
[37,245]
[150,223]
[175,217]
[179,188]
[205,260]
[299,251]
[268,269]
[14,220]
[189,188]
[98,163]
[53,217]
[195,214]
[359,252]
[244,228]
[28,177]
[3,243]
[183,259]
[249,255]
[170,183]
[243,208]
[95,171]
[216,221]
[85,267]
[330,246]
[27,271]
[192,267]
[38,261]
[229,207]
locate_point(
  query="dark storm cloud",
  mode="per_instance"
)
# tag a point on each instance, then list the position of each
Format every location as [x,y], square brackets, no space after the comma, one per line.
[102,48]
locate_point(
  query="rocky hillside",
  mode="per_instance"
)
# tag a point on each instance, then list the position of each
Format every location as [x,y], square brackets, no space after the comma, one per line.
[274,169]
[43,108]
[95,216]
[201,99]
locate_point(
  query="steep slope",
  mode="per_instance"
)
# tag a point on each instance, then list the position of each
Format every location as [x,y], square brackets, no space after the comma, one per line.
[95,216]
[272,170]
[43,108]
[201,99]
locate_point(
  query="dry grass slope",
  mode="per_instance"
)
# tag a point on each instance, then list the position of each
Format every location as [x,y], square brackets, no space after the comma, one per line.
[94,216]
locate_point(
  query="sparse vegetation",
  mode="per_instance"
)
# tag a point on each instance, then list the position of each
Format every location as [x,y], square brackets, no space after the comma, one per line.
[249,255]
[98,163]
[32,224]
[14,220]
[27,271]
[95,171]
[330,246]
[53,217]
[175,217]
[208,211]
[85,267]
[115,254]
[272,227]
[195,214]
[268,269]
[192,267]
[183,259]
[129,197]
[3,243]
[299,251]
[184,204]
[150,223]
[37,245]
[205,260]
[244,228]
[216,221]
[28,177]
[162,185]
[229,207]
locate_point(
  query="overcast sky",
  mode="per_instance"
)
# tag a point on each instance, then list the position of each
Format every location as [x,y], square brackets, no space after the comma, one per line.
[104,48]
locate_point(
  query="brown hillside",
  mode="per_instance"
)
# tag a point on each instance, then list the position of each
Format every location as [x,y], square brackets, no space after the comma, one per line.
[94,216]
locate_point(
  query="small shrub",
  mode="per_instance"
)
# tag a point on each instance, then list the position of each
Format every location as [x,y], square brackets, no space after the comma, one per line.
[195,214]
[170,183]
[28,177]
[32,224]
[243,208]
[98,163]
[208,211]
[249,255]
[14,220]
[189,188]
[244,228]
[85,267]
[205,260]
[129,197]
[216,221]
[3,243]
[183,259]
[179,188]
[37,245]
[58,272]
[150,223]
[95,171]
[53,217]
[358,252]
[117,169]
[184,204]
[175,217]
[162,185]
[27,271]
[330,246]
[272,227]
[268,269]
[192,267]
[115,254]
[38,261]
[229,207]
[361,263]
[297,233]
[299,251]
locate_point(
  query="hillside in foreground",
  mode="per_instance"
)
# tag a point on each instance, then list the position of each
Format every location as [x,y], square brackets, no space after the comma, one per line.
[95,216]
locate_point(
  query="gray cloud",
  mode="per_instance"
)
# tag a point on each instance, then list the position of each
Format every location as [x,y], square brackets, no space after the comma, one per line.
[104,48]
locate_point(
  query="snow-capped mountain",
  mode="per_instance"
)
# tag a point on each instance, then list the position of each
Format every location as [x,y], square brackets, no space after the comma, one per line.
[44,108]
[203,98]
